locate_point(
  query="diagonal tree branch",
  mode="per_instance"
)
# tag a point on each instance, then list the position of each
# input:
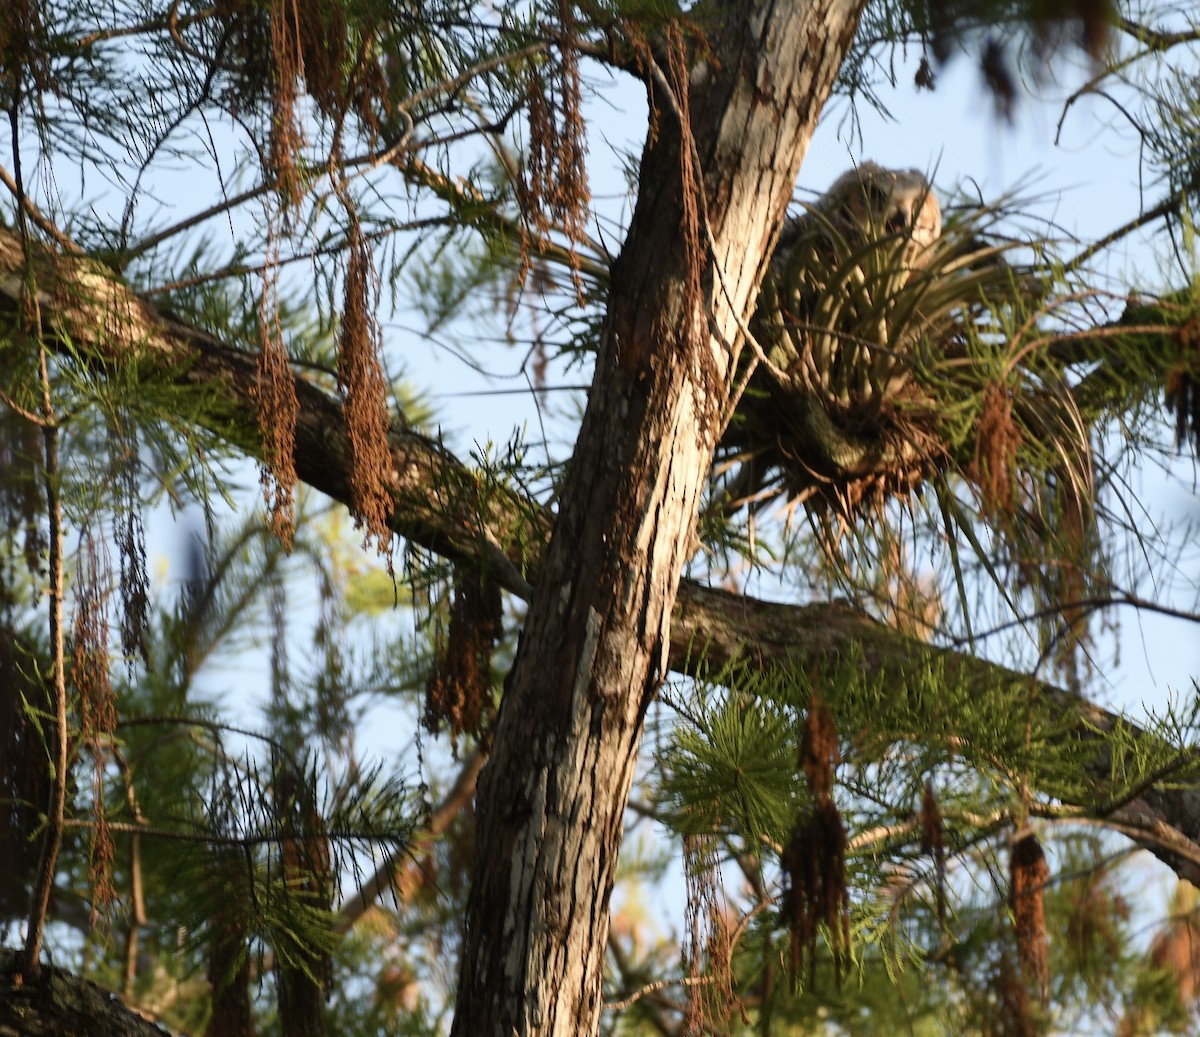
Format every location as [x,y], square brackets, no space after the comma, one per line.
[716,631]
[58,1004]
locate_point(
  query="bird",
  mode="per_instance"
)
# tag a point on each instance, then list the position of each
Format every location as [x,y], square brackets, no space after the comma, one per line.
[871,203]
[838,322]
[838,279]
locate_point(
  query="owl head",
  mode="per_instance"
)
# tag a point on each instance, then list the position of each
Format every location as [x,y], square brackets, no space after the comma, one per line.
[873,202]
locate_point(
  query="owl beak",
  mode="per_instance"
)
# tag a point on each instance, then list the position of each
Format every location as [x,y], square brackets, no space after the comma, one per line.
[898,222]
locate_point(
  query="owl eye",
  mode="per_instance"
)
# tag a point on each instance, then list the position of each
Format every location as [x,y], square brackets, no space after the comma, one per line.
[897,222]
[877,198]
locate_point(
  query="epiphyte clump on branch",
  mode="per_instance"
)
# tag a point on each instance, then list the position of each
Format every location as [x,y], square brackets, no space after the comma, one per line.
[878,318]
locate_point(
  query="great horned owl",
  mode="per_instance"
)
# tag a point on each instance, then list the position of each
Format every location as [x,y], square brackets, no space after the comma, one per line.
[838,279]
[871,203]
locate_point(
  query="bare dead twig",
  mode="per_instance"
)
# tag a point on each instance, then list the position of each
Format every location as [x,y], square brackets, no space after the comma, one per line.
[651,988]
[459,796]
[40,220]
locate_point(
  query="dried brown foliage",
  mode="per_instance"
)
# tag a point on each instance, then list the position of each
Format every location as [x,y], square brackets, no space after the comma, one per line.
[364,392]
[129,532]
[279,48]
[287,136]
[814,861]
[996,441]
[318,28]
[307,51]
[555,193]
[819,749]
[459,690]
[1065,583]
[933,842]
[1029,874]
[1044,505]
[97,715]
[708,946]
[278,408]
[247,27]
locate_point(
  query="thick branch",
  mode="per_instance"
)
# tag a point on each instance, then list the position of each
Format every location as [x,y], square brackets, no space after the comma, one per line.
[440,504]
[716,630]
[58,1004]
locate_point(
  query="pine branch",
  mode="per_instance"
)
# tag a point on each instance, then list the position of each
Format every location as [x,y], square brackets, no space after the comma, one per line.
[716,631]
[384,876]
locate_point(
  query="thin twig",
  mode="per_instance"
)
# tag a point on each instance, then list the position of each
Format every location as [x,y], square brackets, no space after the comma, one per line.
[152,25]
[1167,207]
[52,839]
[1153,38]
[47,866]
[252,269]
[30,209]
[657,985]
[370,160]
[137,897]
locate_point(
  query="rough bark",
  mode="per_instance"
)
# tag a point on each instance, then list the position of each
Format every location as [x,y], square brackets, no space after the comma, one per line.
[57,1004]
[594,649]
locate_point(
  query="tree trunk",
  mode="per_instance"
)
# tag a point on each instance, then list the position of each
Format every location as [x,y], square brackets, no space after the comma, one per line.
[594,649]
